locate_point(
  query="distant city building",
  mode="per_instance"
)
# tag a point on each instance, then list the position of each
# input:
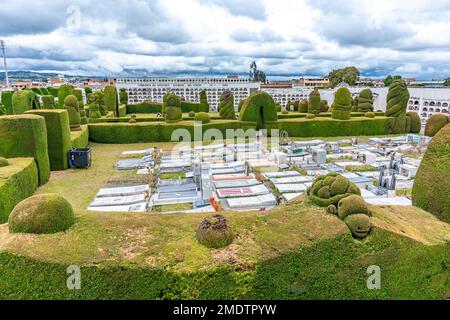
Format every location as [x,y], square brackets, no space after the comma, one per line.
[369,82]
[277,85]
[153,89]
[428,83]
[312,82]
[99,83]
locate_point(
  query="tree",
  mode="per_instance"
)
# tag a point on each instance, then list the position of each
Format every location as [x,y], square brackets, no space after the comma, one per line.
[389,79]
[447,83]
[257,75]
[349,75]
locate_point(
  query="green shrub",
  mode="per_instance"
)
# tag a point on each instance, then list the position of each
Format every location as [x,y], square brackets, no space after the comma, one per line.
[226,105]
[24,100]
[3,162]
[87,90]
[365,101]
[53,91]
[341,108]
[7,101]
[416,124]
[314,102]
[214,232]
[353,204]
[94,110]
[18,181]
[123,110]
[259,111]
[145,107]
[48,102]
[123,96]
[79,94]
[397,101]
[71,105]
[278,107]
[202,117]
[191,114]
[431,188]
[369,114]
[41,214]
[324,106]
[241,104]
[310,116]
[359,225]
[80,139]
[58,136]
[303,106]
[100,99]
[204,106]
[111,101]
[435,123]
[64,91]
[171,108]
[26,136]
[329,189]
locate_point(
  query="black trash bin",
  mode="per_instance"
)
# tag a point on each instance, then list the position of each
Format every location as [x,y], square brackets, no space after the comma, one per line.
[80,157]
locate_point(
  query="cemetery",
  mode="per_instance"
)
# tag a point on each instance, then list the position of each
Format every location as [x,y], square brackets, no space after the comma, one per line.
[87,178]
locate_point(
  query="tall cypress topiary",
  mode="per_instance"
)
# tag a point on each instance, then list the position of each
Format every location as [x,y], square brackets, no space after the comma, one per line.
[71,105]
[204,106]
[64,91]
[94,111]
[100,98]
[303,106]
[397,101]
[365,101]
[111,101]
[314,102]
[226,105]
[7,101]
[123,96]
[341,108]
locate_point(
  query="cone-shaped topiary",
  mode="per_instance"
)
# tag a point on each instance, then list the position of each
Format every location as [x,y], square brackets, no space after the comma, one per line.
[123,96]
[202,117]
[111,100]
[41,214]
[214,232]
[314,102]
[172,108]
[3,162]
[63,91]
[71,105]
[100,98]
[303,106]
[397,100]
[365,101]
[359,225]
[353,204]
[415,123]
[204,106]
[330,189]
[226,105]
[341,108]
[94,111]
[48,102]
[431,188]
[435,123]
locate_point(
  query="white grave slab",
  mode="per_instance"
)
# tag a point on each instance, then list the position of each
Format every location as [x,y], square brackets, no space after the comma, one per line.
[236,183]
[117,201]
[393,201]
[123,191]
[290,188]
[297,179]
[243,192]
[281,174]
[139,207]
[291,196]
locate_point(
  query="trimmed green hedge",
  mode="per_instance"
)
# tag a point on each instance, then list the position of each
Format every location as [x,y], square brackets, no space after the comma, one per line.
[58,136]
[150,132]
[7,101]
[144,107]
[24,100]
[259,111]
[64,91]
[188,106]
[80,139]
[26,136]
[111,99]
[18,181]
[326,127]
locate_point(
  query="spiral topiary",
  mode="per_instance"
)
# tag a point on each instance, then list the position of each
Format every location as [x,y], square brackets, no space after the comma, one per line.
[365,101]
[341,108]
[202,117]
[226,105]
[435,123]
[330,189]
[415,123]
[397,100]
[172,108]
[71,105]
[314,102]
[214,232]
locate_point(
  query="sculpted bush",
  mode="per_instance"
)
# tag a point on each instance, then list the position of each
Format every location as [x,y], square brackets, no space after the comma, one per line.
[214,232]
[435,123]
[314,102]
[226,105]
[397,100]
[365,101]
[330,189]
[341,108]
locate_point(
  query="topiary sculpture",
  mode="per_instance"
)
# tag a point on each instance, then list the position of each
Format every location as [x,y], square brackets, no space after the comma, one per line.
[214,232]
[277,107]
[7,101]
[94,111]
[314,102]
[341,108]
[71,105]
[100,98]
[435,123]
[2,110]
[365,101]
[431,187]
[41,214]
[172,108]
[415,123]
[241,103]
[123,96]
[111,101]
[330,189]
[397,100]
[204,106]
[324,106]
[353,204]
[3,162]
[48,102]
[24,100]
[359,225]
[87,90]
[191,114]
[79,94]
[226,105]
[63,91]
[202,117]
[303,106]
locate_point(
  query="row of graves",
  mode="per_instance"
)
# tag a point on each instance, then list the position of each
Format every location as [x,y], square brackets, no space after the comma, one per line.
[248,176]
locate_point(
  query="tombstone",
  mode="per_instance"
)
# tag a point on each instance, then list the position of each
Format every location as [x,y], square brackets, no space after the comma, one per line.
[319,156]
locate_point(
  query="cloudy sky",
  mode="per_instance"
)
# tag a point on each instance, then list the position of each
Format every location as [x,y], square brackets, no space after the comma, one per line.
[285,37]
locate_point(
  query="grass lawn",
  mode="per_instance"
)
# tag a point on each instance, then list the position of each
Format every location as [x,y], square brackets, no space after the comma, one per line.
[296,251]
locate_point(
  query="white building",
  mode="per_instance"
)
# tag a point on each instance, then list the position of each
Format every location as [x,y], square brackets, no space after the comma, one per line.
[153,89]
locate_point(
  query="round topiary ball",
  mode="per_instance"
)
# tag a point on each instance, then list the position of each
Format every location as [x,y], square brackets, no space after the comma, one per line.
[310,116]
[359,225]
[71,101]
[41,214]
[339,186]
[4,162]
[202,117]
[369,115]
[330,189]
[132,120]
[191,114]
[324,192]
[214,232]
[350,205]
